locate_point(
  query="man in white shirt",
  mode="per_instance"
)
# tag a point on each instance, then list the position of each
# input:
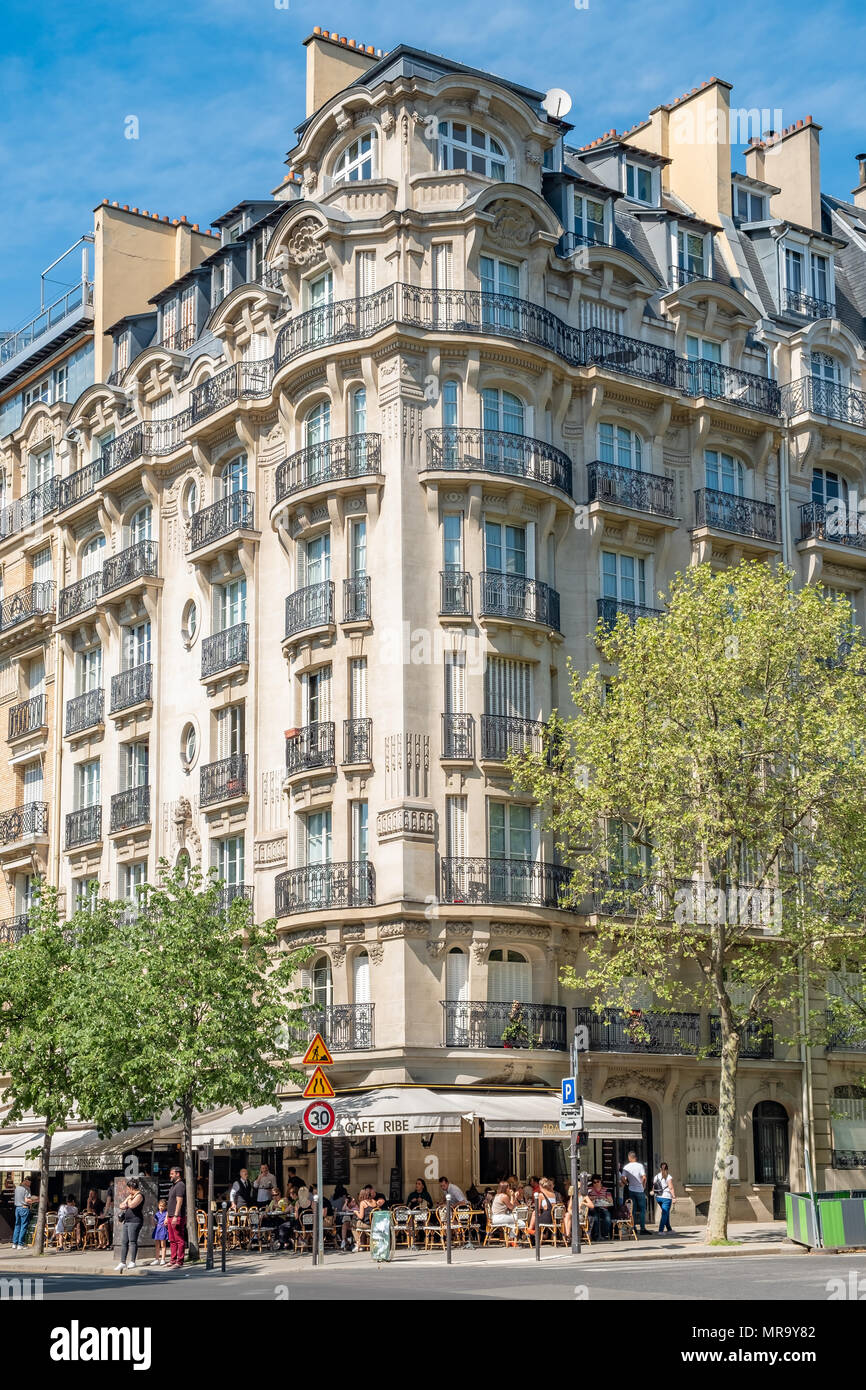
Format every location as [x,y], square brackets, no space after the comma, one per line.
[635,1174]
[450,1189]
[264,1185]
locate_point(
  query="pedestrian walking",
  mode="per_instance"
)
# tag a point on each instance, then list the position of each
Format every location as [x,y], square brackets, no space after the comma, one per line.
[23,1202]
[177,1219]
[663,1191]
[635,1175]
[131,1215]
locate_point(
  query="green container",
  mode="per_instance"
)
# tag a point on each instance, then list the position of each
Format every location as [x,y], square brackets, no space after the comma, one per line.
[832,1220]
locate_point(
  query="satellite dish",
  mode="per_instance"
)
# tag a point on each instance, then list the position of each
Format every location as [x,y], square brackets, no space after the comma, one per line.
[557,102]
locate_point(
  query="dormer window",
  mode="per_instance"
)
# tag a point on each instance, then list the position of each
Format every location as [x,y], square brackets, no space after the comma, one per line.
[639,182]
[234,231]
[748,206]
[588,221]
[808,283]
[820,278]
[463,146]
[357,161]
[691,260]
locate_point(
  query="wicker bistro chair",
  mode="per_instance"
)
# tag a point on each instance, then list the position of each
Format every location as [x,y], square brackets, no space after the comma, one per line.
[304,1233]
[50,1226]
[623,1226]
[521,1216]
[88,1230]
[68,1230]
[463,1220]
[201,1228]
[401,1220]
[420,1221]
[555,1230]
[584,1223]
[361,1233]
[254,1230]
[501,1233]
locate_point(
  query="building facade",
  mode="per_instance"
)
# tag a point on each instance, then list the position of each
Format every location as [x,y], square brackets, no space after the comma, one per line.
[351,489]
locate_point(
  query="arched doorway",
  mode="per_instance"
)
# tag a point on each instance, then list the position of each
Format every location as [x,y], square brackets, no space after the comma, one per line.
[770,1133]
[614,1152]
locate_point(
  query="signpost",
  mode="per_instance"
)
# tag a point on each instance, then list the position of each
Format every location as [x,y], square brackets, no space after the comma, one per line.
[579,1043]
[319,1120]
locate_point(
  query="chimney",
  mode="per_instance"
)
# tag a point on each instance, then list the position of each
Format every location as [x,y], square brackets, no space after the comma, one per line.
[332,64]
[859,193]
[693,132]
[791,159]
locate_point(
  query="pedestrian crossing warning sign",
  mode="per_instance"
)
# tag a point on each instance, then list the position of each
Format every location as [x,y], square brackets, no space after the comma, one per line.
[318,1087]
[317,1054]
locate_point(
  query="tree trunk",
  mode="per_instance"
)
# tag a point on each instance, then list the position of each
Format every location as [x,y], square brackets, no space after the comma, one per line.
[725,1166]
[42,1209]
[189,1179]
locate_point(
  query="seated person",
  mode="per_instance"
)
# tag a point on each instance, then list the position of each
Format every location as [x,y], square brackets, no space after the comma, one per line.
[548,1198]
[366,1202]
[275,1212]
[501,1209]
[67,1209]
[601,1207]
[420,1197]
[349,1212]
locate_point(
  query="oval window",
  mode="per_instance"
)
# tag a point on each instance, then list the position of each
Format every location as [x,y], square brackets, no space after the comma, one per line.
[189,622]
[188,745]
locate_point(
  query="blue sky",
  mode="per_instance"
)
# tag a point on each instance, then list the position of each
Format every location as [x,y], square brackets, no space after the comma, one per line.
[218,86]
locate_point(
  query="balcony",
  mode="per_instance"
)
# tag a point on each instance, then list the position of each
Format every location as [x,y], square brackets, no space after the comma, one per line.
[455,594]
[79,597]
[523,882]
[491,1023]
[807,306]
[165,436]
[231,514]
[722,383]
[357,742]
[570,242]
[181,340]
[225,780]
[81,484]
[756,1038]
[683,275]
[609,610]
[329,462]
[344,1027]
[743,516]
[458,738]
[516,599]
[311,749]
[13,929]
[30,508]
[27,717]
[844,1039]
[500,453]
[310,609]
[817,525]
[318,887]
[129,808]
[849,1158]
[124,449]
[649,493]
[241,381]
[225,650]
[812,396]
[85,712]
[83,827]
[614,1030]
[356,599]
[31,818]
[620,894]
[503,734]
[132,688]
[55,323]
[125,571]
[230,892]
[27,613]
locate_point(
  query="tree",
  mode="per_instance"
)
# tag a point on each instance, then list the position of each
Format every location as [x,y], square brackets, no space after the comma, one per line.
[708,793]
[195,1011]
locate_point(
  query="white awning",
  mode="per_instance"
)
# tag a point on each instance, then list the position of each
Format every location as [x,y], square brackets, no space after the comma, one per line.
[14,1145]
[535,1115]
[391,1110]
[76,1150]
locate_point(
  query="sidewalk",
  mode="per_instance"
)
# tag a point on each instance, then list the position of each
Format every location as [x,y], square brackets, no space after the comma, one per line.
[754,1238]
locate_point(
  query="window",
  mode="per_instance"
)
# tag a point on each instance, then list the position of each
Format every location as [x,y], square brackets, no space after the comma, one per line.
[360,831]
[500,283]
[33,781]
[455,826]
[457,975]
[827,485]
[365,272]
[190,500]
[320,296]
[85,892]
[139,528]
[40,468]
[463,146]
[639,182]
[188,745]
[39,391]
[505,550]
[132,879]
[588,220]
[315,560]
[40,566]
[502,414]
[322,983]
[449,403]
[452,541]
[704,362]
[690,252]
[623,578]
[316,695]
[509,830]
[317,428]
[823,368]
[724,473]
[443,265]
[121,353]
[136,759]
[189,622]
[87,784]
[619,446]
[229,732]
[848,1113]
[88,670]
[187,314]
[233,233]
[361,978]
[92,555]
[357,160]
[820,278]
[793,271]
[228,860]
[358,410]
[509,977]
[316,837]
[61,383]
[234,476]
[358,549]
[136,645]
[748,207]
[230,604]
[702,1127]
[702,349]
[169,322]
[508,688]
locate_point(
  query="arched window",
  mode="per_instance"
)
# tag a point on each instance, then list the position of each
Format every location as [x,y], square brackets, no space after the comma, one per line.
[323,985]
[457,975]
[463,146]
[234,476]
[619,446]
[317,426]
[358,160]
[190,499]
[502,411]
[827,485]
[91,555]
[358,411]
[361,978]
[140,525]
[724,473]
[509,977]
[824,368]
[702,1127]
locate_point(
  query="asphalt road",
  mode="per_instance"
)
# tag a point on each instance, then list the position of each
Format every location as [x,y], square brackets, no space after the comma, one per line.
[739,1279]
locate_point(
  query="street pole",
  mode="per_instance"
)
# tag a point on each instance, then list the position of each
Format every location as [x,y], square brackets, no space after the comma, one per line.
[208,1264]
[225,1234]
[575,1166]
[537,1228]
[447,1228]
[320,1210]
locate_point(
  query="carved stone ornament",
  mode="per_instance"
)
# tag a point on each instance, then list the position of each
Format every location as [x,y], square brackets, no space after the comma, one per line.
[435,948]
[512,225]
[338,956]
[479,950]
[376,951]
[302,248]
[630,1080]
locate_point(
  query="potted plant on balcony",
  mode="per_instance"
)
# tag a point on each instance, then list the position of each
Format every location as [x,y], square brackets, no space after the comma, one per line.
[516,1033]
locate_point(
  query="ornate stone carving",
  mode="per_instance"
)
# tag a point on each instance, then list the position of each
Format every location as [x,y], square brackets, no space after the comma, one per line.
[302,247]
[435,948]
[390,930]
[406,820]
[630,1080]
[479,950]
[376,951]
[513,225]
[270,851]
[338,956]
[458,929]
[515,929]
[353,933]
[305,938]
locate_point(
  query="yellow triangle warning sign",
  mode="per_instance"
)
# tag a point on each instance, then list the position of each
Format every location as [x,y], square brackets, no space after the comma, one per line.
[317,1054]
[318,1087]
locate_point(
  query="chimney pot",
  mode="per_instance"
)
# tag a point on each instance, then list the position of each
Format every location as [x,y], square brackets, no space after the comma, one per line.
[183,219]
[195,226]
[317,28]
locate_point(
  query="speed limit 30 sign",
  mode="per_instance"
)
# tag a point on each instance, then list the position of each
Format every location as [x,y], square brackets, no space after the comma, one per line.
[319,1118]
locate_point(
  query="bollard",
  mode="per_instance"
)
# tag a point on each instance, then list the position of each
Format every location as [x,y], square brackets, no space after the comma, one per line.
[447,1229]
[225,1234]
[537,1230]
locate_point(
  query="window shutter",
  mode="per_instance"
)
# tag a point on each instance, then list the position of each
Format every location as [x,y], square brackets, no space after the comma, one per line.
[366,270]
[359,688]
[509,980]
[509,688]
[456,827]
[443,265]
[361,978]
[455,683]
[457,976]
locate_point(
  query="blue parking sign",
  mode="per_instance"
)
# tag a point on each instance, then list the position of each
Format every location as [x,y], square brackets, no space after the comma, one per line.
[569,1090]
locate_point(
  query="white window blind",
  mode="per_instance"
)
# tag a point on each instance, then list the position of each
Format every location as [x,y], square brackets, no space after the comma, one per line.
[702,1128]
[443,265]
[361,978]
[42,566]
[596,315]
[366,270]
[457,975]
[358,687]
[456,826]
[455,683]
[509,979]
[508,688]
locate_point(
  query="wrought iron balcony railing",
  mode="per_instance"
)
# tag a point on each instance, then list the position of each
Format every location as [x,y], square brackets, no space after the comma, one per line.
[223,780]
[27,717]
[756,1038]
[628,487]
[31,818]
[723,383]
[136,562]
[311,748]
[225,649]
[123,449]
[569,242]
[312,606]
[132,687]
[818,521]
[816,397]
[82,483]
[83,827]
[319,886]
[728,512]
[130,808]
[683,275]
[240,381]
[357,741]
[344,1027]
[478,1023]
[164,436]
[231,891]
[79,597]
[807,306]
[609,610]
[620,894]
[849,1158]
[40,502]
[498,452]
[842,1037]
[515,597]
[356,599]
[34,601]
[329,461]
[639,1030]
[233,513]
[181,340]
[522,881]
[455,593]
[85,711]
[14,928]
[502,734]
[458,737]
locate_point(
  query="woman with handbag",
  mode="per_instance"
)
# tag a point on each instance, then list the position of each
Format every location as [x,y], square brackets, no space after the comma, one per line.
[663,1191]
[131,1214]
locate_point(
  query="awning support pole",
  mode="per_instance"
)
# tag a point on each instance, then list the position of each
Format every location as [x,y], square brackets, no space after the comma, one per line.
[208,1263]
